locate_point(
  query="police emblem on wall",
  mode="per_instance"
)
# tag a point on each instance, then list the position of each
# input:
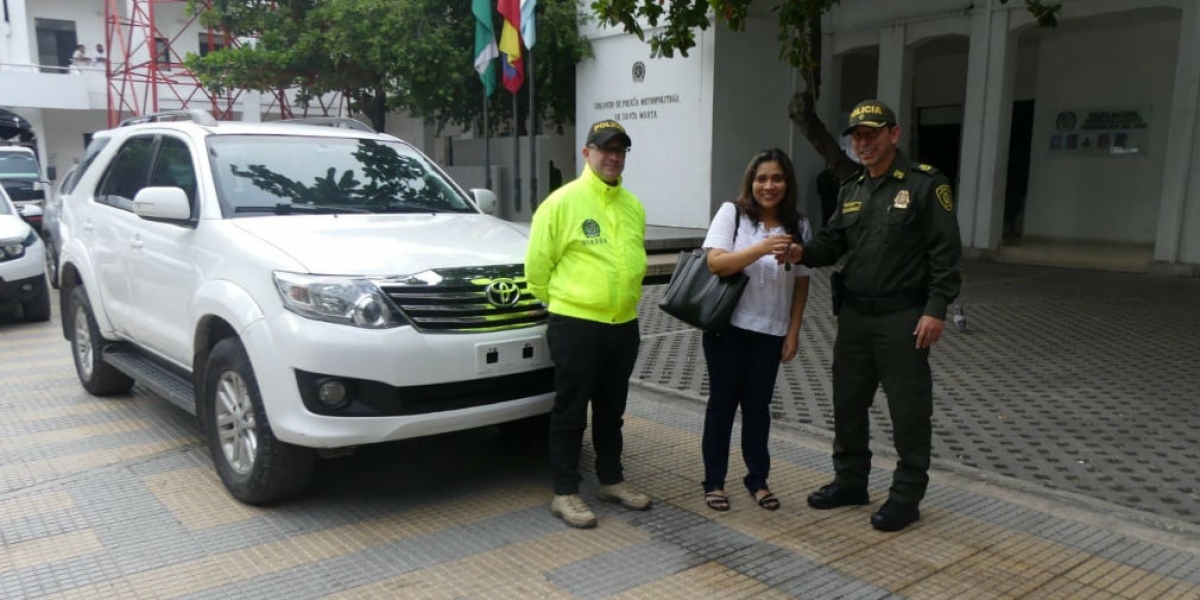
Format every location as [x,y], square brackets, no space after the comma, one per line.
[591,228]
[639,72]
[1065,120]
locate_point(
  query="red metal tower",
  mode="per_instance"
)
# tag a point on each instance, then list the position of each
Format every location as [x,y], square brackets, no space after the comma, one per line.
[145,71]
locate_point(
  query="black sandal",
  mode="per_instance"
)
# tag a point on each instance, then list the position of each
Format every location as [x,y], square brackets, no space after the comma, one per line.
[717,500]
[767,502]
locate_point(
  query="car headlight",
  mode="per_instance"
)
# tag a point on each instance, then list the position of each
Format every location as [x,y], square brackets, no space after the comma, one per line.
[347,300]
[14,249]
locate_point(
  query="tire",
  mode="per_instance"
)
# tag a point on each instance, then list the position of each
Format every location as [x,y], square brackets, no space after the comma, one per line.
[255,467]
[38,307]
[51,263]
[98,377]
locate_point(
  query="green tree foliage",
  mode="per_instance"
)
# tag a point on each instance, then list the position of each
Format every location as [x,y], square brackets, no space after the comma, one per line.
[412,56]
[674,23]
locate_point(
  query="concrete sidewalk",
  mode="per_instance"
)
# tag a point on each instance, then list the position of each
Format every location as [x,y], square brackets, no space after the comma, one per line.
[115,498]
[1083,383]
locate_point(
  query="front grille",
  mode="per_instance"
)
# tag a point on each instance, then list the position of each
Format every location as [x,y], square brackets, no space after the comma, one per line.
[465,300]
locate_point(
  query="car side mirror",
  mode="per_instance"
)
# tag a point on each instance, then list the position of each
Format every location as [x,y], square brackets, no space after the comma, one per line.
[162,204]
[52,173]
[485,199]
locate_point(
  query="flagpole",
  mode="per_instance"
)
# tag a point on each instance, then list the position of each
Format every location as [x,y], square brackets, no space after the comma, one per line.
[533,165]
[516,156]
[487,144]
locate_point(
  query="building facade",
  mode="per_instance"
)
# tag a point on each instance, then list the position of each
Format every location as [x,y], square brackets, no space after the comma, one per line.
[1084,135]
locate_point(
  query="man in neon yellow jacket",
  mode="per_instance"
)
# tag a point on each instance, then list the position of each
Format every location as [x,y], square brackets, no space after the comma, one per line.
[586,259]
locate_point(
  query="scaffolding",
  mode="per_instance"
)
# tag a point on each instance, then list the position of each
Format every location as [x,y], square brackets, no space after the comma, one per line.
[145,70]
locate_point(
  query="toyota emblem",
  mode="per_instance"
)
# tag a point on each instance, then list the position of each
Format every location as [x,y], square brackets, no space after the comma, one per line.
[503,293]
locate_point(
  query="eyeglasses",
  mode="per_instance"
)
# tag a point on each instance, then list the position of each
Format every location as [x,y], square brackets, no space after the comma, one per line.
[612,149]
[867,135]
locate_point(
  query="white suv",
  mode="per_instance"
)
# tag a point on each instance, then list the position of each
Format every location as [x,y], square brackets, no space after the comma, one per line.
[22,265]
[296,287]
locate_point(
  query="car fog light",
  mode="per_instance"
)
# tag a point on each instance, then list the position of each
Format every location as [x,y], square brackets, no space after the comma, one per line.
[332,393]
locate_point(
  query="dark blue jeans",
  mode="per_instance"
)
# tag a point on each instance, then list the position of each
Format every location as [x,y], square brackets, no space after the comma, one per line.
[742,367]
[592,362]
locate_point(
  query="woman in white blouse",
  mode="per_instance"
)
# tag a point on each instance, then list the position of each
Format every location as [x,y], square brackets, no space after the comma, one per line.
[753,234]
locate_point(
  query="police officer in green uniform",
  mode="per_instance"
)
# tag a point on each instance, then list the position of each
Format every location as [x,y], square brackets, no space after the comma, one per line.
[897,235]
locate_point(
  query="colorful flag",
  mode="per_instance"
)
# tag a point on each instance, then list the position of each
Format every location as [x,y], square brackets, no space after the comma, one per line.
[528,31]
[486,52]
[510,45]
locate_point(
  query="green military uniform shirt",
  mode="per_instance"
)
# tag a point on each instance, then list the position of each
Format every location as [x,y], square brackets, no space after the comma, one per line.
[901,234]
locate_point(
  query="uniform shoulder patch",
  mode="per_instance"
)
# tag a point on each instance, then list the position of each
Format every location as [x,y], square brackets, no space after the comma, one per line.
[945,197]
[927,169]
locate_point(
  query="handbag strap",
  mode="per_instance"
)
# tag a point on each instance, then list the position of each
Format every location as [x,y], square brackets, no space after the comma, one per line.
[737,221]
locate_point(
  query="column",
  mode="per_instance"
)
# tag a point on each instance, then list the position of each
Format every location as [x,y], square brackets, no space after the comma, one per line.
[987,119]
[1180,202]
[21,40]
[894,85]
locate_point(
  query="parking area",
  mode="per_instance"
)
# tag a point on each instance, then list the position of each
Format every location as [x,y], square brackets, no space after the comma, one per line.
[116,498]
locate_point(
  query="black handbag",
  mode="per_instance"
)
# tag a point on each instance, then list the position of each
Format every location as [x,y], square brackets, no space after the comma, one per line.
[699,297]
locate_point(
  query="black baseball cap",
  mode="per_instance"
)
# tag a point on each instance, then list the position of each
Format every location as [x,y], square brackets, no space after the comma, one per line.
[870,113]
[603,132]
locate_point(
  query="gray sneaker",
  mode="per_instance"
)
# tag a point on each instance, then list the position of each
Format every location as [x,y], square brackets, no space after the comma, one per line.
[573,511]
[623,494]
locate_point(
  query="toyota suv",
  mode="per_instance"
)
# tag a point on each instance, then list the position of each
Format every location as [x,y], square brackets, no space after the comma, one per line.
[298,288]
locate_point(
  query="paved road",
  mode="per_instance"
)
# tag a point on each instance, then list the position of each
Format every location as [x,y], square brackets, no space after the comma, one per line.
[116,498]
[1083,382]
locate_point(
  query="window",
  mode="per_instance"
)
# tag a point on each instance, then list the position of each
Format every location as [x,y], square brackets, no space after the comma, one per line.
[93,150]
[127,174]
[211,42]
[173,168]
[162,51]
[56,43]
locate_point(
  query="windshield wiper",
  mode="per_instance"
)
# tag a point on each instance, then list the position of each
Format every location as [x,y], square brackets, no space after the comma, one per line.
[287,208]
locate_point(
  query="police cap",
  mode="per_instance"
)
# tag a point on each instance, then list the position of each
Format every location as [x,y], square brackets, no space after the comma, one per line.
[870,113]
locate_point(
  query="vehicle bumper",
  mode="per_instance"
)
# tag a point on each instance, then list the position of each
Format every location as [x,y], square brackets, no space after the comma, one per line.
[409,384]
[19,290]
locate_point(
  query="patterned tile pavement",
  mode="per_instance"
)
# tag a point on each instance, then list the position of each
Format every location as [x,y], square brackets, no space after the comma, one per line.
[116,498]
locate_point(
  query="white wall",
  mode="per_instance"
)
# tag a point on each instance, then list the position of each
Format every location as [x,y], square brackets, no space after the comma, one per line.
[1101,198]
[751,91]
[670,166]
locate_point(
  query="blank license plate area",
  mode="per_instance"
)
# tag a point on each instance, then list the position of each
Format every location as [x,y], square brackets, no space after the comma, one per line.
[512,356]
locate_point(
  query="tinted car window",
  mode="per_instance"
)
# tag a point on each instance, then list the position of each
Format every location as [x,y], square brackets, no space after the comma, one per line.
[173,167]
[127,174]
[261,174]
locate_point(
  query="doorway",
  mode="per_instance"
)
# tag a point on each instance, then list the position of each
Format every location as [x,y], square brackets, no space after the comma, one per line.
[56,41]
[939,138]
[1016,188]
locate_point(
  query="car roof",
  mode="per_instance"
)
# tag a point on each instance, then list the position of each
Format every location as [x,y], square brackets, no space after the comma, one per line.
[323,127]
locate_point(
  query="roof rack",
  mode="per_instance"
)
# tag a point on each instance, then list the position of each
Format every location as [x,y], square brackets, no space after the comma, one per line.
[193,114]
[346,122]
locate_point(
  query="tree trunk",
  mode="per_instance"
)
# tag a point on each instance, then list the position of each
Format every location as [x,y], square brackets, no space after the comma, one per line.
[375,109]
[803,108]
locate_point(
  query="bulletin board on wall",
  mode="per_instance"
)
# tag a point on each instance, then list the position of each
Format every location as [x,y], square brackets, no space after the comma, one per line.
[1100,132]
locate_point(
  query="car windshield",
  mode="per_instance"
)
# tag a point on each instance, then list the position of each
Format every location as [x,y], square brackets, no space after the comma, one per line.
[259,175]
[17,165]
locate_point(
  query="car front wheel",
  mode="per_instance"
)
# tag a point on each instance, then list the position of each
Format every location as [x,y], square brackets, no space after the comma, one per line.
[97,376]
[255,467]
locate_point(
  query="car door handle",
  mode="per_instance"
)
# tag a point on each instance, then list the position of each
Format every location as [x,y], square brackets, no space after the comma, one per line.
[136,243]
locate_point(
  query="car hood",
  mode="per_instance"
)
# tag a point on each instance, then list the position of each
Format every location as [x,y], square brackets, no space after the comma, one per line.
[13,228]
[389,245]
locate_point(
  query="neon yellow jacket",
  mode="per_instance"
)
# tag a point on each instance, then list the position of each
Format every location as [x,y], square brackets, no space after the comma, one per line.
[587,255]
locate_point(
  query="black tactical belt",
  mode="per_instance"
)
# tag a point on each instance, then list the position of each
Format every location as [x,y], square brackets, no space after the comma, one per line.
[884,303]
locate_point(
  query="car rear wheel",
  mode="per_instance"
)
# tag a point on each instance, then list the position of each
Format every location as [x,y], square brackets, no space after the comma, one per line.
[97,376]
[255,467]
[51,263]
[38,307]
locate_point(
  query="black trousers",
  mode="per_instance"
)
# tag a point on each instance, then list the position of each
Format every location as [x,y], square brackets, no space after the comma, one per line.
[870,350]
[742,367]
[593,361]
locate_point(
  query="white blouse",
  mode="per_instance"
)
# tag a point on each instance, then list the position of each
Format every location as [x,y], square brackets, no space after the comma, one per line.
[766,305]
